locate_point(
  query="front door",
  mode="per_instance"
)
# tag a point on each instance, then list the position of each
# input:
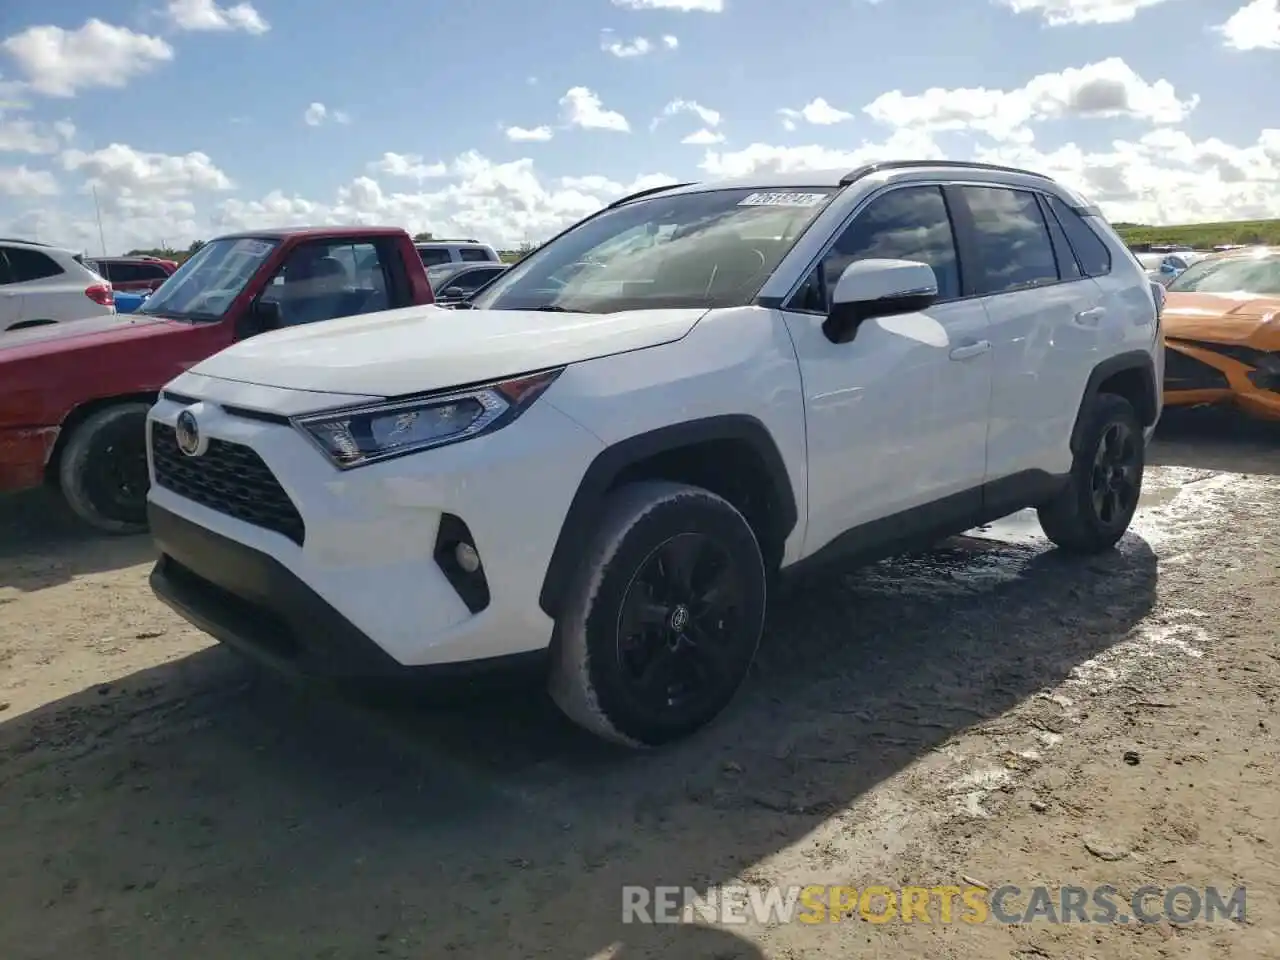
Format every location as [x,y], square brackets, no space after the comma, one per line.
[897,417]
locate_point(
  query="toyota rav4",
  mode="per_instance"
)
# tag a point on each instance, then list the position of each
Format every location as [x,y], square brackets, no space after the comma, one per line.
[605,464]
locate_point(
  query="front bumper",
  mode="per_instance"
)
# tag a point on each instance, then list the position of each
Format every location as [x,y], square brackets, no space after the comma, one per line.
[1201,372]
[253,603]
[359,588]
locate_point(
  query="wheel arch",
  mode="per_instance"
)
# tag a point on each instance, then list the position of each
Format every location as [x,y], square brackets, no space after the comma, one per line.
[78,415]
[1131,375]
[733,455]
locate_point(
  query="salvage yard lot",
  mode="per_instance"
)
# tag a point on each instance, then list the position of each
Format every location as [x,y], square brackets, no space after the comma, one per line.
[965,713]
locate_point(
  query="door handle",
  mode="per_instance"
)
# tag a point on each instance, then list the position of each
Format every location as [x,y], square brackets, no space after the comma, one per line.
[1090,318]
[970,350]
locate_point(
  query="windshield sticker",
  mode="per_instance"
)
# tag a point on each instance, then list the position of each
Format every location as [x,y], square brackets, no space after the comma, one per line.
[252,248]
[783,200]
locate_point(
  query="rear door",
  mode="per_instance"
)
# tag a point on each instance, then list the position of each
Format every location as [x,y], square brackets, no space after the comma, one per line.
[1045,316]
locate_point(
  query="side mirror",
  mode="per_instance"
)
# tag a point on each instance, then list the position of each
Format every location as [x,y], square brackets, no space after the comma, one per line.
[878,288]
[262,315]
[454,293]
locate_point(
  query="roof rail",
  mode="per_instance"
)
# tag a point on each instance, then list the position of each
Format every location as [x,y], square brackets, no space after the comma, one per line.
[644,193]
[867,169]
[444,240]
[34,243]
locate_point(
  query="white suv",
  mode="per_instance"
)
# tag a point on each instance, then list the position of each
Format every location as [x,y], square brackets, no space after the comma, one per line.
[40,284]
[605,462]
[436,252]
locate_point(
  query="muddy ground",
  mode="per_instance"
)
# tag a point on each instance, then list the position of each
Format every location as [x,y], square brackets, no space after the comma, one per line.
[990,711]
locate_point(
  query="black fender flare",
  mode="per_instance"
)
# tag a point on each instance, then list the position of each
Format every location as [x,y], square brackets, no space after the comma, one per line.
[1140,361]
[585,509]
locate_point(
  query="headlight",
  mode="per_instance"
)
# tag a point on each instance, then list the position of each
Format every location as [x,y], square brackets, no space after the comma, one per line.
[354,436]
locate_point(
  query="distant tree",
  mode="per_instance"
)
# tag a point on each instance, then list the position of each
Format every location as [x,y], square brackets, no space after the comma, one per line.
[195,246]
[426,236]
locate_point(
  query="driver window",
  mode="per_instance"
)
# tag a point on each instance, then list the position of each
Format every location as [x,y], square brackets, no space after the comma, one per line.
[910,223]
[323,281]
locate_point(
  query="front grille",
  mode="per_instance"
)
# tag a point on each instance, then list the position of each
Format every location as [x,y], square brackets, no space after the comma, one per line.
[230,478]
[1182,372]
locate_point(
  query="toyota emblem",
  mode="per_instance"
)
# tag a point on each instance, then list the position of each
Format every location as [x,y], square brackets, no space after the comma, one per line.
[188,432]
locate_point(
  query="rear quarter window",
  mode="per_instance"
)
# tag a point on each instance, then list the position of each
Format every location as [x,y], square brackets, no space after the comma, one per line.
[475,253]
[1090,250]
[27,265]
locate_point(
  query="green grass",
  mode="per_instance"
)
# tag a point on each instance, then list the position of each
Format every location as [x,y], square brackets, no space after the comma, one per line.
[1204,236]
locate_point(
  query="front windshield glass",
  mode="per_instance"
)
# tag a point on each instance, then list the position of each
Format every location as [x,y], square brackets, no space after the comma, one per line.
[441,272]
[712,249]
[1255,275]
[204,286]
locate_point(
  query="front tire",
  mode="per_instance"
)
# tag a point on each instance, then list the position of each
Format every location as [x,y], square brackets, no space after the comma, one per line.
[103,470]
[1095,509]
[662,617]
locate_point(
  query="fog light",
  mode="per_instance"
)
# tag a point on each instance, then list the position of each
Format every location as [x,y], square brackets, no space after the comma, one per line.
[467,557]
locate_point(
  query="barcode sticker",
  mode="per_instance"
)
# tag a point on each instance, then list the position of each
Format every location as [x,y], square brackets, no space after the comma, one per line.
[783,200]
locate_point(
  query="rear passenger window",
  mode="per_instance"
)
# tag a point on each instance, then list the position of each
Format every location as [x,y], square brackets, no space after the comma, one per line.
[1094,257]
[126,273]
[904,224]
[29,265]
[1012,239]
[151,271]
[432,256]
[471,253]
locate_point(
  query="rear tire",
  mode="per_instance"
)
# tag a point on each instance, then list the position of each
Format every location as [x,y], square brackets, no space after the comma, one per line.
[103,470]
[1095,509]
[662,617]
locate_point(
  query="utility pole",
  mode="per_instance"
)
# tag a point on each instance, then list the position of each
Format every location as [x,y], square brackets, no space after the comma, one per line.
[98,211]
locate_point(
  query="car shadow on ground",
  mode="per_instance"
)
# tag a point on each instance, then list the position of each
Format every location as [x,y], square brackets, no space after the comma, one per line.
[1214,439]
[42,543]
[201,808]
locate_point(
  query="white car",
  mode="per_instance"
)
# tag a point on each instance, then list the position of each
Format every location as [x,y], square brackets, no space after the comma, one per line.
[605,463]
[436,252]
[41,284]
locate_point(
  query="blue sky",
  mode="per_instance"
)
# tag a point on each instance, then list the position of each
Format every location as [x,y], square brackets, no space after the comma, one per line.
[435,81]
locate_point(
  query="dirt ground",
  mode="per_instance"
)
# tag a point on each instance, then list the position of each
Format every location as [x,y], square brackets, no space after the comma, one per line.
[989,712]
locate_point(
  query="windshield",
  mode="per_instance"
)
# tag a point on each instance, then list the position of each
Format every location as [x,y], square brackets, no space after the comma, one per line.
[713,249]
[1255,275]
[443,271]
[204,287]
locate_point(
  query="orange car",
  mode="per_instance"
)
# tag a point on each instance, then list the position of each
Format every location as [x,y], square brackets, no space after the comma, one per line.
[1222,333]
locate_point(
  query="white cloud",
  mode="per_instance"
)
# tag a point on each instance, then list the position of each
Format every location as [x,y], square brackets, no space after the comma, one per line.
[624,49]
[59,62]
[817,111]
[317,113]
[409,166]
[206,15]
[27,136]
[1059,13]
[119,169]
[1109,88]
[683,6]
[528,134]
[704,137]
[1165,176]
[22,182]
[670,42]
[581,107]
[1255,26]
[709,117]
[502,203]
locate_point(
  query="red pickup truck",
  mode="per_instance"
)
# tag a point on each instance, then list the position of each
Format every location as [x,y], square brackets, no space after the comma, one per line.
[74,396]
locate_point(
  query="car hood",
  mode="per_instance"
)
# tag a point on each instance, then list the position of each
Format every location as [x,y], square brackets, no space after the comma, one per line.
[56,336]
[1220,317]
[429,348]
